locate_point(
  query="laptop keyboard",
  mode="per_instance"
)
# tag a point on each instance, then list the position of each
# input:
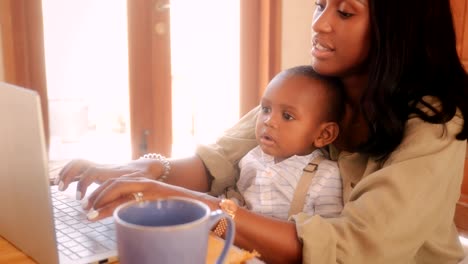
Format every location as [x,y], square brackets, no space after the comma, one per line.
[77,237]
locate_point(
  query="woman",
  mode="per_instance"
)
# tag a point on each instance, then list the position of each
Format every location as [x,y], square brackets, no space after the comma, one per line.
[401,152]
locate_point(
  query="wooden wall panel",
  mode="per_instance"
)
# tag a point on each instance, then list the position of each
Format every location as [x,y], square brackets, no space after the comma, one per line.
[23,48]
[463,37]
[260,49]
[149,77]
[460,9]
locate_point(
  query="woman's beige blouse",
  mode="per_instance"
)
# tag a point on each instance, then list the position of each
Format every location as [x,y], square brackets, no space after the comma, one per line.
[397,212]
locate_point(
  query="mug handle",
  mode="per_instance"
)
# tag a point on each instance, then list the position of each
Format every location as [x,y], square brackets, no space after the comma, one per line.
[215,216]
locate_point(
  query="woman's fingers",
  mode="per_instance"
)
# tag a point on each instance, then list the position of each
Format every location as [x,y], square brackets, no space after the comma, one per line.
[88,202]
[71,172]
[97,175]
[121,188]
[86,173]
[115,192]
[118,189]
[106,211]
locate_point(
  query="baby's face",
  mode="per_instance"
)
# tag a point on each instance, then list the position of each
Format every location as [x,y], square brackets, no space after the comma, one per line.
[292,110]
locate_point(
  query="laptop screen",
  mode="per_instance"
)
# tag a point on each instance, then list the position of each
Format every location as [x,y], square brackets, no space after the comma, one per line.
[27,215]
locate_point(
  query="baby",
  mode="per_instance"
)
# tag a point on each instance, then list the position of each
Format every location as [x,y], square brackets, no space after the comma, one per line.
[299,116]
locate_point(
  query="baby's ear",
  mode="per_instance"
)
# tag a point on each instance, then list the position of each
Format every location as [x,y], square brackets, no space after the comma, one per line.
[328,133]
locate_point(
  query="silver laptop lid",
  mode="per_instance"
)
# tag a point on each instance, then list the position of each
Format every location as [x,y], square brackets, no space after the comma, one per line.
[26,211]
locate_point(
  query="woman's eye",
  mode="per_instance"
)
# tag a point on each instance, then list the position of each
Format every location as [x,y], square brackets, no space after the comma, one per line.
[345,14]
[287,116]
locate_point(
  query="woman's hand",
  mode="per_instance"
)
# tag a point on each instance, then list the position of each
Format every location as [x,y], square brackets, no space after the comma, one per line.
[110,194]
[87,172]
[102,202]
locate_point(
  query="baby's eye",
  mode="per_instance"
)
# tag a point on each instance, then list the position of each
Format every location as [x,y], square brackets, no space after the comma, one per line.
[266,109]
[287,116]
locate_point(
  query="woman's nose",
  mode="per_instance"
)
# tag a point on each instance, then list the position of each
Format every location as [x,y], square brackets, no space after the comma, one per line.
[321,21]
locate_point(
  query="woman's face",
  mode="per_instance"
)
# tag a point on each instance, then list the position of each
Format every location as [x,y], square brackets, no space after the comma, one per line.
[340,37]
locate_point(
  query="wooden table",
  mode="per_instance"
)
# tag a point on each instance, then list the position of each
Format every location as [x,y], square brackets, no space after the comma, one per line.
[10,254]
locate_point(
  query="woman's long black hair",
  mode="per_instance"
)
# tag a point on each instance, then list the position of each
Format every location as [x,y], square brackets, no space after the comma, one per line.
[413,54]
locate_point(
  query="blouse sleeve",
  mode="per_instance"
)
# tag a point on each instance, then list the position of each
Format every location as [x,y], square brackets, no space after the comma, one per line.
[221,158]
[400,211]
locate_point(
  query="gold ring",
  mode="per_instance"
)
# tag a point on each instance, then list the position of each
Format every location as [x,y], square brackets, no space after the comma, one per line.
[138,196]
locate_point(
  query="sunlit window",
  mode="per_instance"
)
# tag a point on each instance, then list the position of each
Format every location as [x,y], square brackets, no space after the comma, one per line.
[87,75]
[205,68]
[87,79]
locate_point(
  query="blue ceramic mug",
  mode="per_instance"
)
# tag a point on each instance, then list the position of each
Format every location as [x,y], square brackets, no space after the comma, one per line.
[167,231]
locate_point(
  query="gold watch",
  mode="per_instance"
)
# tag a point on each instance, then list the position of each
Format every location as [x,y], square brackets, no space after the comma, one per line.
[230,208]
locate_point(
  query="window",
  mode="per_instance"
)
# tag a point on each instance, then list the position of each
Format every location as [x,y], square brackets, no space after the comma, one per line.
[205,70]
[87,79]
[87,75]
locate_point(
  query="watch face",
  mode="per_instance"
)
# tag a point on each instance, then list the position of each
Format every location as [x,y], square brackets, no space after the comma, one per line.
[229,207]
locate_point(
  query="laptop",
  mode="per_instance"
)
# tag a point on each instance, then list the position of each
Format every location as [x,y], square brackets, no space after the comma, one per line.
[28,219]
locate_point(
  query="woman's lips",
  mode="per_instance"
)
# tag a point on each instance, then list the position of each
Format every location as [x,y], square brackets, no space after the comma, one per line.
[321,49]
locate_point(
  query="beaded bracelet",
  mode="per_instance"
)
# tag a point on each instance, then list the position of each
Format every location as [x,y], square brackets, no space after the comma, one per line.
[163,160]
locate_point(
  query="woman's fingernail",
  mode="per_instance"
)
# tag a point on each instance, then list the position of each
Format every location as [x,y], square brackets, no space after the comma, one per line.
[61,186]
[56,181]
[84,203]
[78,195]
[92,214]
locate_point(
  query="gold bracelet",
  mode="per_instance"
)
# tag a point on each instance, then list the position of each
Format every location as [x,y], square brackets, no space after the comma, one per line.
[230,208]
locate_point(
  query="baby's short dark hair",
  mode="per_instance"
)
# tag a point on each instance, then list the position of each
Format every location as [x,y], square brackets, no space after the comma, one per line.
[335,91]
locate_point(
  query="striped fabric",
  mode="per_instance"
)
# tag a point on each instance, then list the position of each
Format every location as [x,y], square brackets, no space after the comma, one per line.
[268,187]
